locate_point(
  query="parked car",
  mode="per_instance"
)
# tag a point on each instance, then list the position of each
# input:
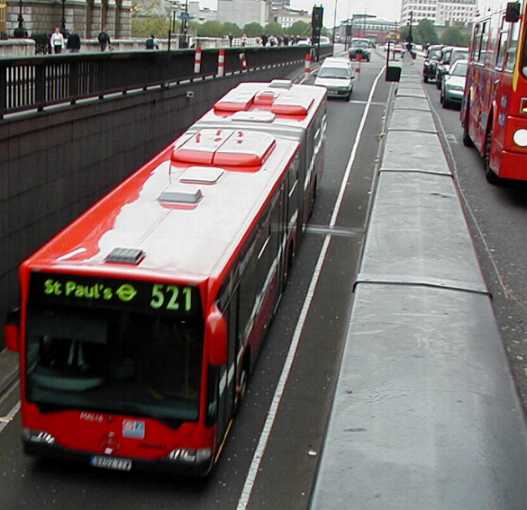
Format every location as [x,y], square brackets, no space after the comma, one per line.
[453,86]
[450,55]
[359,50]
[336,75]
[433,54]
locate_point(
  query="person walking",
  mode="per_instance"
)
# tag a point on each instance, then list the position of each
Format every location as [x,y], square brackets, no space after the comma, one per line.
[244,40]
[57,41]
[104,40]
[74,43]
[151,43]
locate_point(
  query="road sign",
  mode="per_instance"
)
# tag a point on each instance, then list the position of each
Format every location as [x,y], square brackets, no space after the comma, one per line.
[184,16]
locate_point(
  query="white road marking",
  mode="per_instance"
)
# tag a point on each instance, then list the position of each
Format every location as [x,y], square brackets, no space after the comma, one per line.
[271,415]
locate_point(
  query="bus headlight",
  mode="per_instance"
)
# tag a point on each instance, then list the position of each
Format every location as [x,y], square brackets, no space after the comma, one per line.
[190,455]
[520,137]
[37,436]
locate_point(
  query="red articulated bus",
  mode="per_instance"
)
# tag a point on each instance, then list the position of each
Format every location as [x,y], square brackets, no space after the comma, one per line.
[494,113]
[140,322]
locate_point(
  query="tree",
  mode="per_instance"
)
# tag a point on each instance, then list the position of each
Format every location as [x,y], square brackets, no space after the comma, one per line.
[144,26]
[454,36]
[274,28]
[253,29]
[211,29]
[426,32]
[299,28]
[232,29]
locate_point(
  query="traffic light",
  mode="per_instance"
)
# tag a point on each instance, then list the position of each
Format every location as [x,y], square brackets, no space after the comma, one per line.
[316,24]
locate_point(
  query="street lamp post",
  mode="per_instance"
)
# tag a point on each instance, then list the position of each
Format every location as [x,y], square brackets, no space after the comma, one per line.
[63,20]
[335,22]
[20,31]
[410,38]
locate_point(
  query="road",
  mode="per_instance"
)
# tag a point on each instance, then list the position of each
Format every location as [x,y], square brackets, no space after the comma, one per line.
[312,316]
[497,217]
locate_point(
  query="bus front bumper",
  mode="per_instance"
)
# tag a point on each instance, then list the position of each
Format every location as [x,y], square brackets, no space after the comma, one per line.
[512,166]
[181,462]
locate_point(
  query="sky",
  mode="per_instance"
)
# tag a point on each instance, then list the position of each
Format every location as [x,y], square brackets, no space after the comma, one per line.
[387,9]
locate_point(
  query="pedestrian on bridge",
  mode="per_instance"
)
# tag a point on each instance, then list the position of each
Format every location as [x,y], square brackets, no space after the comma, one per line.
[104,40]
[152,43]
[74,43]
[57,41]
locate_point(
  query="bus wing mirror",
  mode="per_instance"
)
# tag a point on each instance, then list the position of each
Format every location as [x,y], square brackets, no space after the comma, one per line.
[513,12]
[12,329]
[216,337]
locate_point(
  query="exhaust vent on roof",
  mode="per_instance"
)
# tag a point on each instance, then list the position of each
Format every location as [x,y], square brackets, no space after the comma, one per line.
[131,256]
[281,84]
[254,116]
[201,175]
[180,195]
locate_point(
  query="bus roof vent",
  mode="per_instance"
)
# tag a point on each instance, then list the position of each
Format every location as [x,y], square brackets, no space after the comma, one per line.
[131,256]
[281,84]
[265,97]
[292,105]
[254,116]
[201,175]
[200,148]
[235,101]
[245,148]
[180,195]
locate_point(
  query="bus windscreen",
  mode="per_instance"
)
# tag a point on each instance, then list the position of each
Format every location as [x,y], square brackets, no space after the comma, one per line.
[117,359]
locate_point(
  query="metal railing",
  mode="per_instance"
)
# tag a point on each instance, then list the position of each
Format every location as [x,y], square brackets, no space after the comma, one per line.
[37,82]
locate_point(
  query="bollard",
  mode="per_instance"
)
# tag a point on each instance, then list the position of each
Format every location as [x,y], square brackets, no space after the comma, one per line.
[197,60]
[307,64]
[221,63]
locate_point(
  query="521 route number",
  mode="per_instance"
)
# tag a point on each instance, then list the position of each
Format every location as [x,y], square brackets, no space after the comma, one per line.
[171,297]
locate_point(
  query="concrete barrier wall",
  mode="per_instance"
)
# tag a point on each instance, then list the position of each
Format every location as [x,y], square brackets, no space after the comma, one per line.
[54,165]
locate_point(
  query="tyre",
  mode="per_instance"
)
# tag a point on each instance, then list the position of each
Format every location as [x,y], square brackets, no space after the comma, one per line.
[492,178]
[467,141]
[425,79]
[438,83]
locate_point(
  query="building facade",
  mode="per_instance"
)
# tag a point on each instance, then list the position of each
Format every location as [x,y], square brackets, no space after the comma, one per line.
[286,16]
[243,12]
[86,17]
[440,12]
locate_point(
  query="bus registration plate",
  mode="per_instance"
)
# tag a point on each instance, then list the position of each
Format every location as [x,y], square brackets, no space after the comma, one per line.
[111,463]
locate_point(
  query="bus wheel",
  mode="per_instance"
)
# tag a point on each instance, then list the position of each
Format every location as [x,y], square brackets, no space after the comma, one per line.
[467,141]
[492,178]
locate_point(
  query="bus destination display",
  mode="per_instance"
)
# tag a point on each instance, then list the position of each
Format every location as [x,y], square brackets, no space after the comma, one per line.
[76,290]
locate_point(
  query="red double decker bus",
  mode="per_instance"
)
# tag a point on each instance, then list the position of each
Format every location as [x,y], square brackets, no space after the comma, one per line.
[139,323]
[494,112]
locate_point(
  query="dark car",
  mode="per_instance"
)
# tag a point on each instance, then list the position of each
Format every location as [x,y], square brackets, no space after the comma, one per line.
[433,54]
[359,50]
[450,54]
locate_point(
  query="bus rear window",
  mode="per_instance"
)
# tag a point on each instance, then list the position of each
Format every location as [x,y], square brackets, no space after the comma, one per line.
[115,361]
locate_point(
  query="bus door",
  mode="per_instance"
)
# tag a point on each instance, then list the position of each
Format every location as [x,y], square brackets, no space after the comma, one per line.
[227,374]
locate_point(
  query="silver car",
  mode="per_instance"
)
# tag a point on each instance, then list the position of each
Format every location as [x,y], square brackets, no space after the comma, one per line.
[453,86]
[337,78]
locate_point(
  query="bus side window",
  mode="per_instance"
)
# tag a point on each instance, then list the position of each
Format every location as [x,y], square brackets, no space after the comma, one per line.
[483,47]
[476,40]
[513,46]
[502,45]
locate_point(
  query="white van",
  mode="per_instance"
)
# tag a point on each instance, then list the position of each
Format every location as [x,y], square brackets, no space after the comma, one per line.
[336,75]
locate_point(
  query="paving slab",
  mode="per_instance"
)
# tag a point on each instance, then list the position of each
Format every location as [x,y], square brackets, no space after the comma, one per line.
[411,103]
[418,234]
[411,92]
[410,151]
[403,120]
